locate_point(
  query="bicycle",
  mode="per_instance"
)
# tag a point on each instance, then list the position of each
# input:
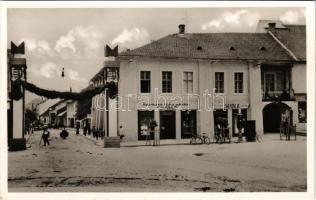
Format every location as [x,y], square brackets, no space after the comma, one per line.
[200,139]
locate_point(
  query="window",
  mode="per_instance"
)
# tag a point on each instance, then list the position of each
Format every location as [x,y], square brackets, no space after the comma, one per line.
[145,81]
[188,82]
[166,82]
[239,82]
[219,82]
[302,111]
[269,82]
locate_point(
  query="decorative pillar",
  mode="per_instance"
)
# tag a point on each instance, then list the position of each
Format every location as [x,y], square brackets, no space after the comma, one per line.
[111,79]
[17,74]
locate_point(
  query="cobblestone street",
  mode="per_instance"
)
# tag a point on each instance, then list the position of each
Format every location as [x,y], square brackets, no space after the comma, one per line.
[78,164]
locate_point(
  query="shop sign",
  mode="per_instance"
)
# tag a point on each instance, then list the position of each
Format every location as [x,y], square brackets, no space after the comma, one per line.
[236,106]
[231,106]
[168,106]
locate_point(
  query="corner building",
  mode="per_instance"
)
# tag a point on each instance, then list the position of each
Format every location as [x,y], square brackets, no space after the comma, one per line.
[248,70]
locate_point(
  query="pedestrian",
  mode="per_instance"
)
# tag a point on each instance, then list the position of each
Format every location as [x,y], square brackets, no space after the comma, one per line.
[152,126]
[45,136]
[89,130]
[64,134]
[77,129]
[85,129]
[96,134]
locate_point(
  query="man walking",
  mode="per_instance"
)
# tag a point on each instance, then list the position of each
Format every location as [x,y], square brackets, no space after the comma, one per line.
[45,136]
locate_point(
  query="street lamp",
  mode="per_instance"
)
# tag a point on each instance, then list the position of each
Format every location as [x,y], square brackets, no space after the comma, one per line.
[63,73]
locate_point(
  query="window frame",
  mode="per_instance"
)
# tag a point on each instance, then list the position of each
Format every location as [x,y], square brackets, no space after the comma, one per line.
[222,72]
[140,81]
[186,82]
[243,83]
[162,82]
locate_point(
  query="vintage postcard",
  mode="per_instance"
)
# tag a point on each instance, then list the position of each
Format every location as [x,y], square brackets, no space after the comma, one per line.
[184,100]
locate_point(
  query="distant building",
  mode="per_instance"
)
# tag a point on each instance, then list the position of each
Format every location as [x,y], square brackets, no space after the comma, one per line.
[98,104]
[71,113]
[53,113]
[43,110]
[60,113]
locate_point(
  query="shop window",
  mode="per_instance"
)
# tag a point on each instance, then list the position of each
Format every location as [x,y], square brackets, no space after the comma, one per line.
[302,113]
[144,117]
[239,82]
[219,82]
[145,81]
[166,82]
[188,123]
[188,82]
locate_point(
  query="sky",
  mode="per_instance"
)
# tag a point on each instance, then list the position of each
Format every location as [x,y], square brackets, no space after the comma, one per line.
[74,39]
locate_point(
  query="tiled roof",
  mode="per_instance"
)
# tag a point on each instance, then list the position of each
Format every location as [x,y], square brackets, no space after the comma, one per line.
[213,46]
[294,38]
[43,107]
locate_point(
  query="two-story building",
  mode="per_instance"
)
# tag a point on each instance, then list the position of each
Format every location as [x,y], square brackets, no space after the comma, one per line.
[191,82]
[99,114]
[292,78]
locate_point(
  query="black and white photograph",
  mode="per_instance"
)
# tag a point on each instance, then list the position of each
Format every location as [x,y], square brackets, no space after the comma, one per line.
[158,99]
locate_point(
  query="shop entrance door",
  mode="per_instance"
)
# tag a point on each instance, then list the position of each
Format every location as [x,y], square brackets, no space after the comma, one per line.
[188,123]
[235,120]
[167,125]
[220,119]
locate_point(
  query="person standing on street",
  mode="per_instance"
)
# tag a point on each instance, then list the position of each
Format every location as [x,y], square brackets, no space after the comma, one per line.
[152,126]
[77,128]
[45,136]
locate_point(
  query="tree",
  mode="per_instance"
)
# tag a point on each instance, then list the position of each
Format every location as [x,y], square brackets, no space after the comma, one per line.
[30,117]
[83,108]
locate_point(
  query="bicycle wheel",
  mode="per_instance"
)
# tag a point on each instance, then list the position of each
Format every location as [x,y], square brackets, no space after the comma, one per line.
[207,140]
[198,140]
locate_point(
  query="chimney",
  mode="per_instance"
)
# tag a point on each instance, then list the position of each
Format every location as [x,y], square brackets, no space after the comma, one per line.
[181,28]
[272,25]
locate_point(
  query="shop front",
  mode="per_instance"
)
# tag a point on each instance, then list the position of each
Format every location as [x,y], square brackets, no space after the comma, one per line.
[229,118]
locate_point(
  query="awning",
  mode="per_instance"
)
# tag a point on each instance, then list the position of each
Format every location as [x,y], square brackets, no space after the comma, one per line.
[62,114]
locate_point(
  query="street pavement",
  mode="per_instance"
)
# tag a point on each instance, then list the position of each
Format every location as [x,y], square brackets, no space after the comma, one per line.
[78,164]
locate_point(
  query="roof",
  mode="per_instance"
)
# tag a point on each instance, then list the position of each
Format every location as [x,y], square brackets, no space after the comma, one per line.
[34,103]
[62,114]
[213,46]
[43,107]
[294,38]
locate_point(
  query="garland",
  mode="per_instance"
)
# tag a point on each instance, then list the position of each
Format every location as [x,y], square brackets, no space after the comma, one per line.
[17,88]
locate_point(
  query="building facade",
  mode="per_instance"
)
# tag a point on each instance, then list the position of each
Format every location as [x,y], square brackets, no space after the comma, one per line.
[71,113]
[191,83]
